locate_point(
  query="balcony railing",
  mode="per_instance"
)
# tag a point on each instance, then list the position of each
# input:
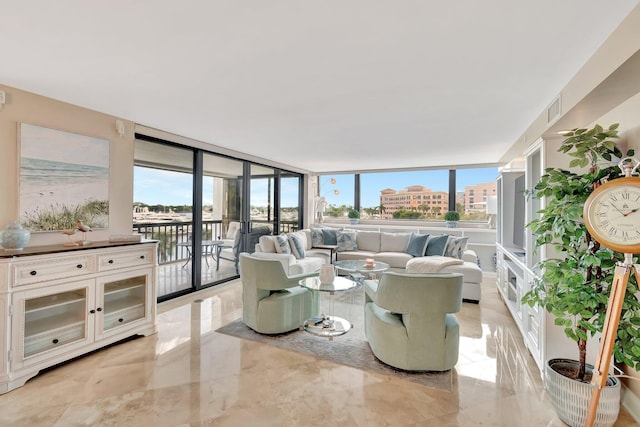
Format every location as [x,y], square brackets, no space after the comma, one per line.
[169,234]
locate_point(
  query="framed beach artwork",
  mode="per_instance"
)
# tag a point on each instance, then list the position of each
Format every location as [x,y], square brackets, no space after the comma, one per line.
[64,177]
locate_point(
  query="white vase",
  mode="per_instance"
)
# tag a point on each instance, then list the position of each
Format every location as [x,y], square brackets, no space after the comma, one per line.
[327,274]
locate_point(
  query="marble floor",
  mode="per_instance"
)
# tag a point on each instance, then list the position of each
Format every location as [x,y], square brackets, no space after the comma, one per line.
[189,375]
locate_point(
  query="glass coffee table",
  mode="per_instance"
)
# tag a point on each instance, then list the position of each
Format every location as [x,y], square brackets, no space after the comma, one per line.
[359,270]
[328,325]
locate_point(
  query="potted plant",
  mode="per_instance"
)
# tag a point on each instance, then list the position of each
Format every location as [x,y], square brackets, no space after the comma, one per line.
[452,218]
[354,216]
[573,283]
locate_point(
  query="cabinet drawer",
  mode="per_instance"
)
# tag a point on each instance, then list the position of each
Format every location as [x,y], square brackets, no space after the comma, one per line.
[123,259]
[51,269]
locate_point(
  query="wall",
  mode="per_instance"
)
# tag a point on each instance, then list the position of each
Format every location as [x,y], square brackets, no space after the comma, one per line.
[628,115]
[34,109]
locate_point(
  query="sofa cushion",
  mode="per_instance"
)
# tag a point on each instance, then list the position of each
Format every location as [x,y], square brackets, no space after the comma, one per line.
[359,254]
[471,272]
[394,259]
[346,241]
[368,241]
[456,246]
[282,244]
[298,243]
[267,244]
[394,242]
[417,244]
[436,245]
[321,254]
[329,236]
[307,233]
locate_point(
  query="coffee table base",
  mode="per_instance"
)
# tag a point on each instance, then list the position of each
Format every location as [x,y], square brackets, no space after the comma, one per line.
[328,327]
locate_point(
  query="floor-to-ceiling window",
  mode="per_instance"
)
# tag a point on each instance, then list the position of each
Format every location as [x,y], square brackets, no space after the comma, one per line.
[200,205]
[410,195]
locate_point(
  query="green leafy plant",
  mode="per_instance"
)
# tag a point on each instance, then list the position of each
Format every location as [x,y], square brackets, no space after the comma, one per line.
[452,216]
[574,282]
[354,214]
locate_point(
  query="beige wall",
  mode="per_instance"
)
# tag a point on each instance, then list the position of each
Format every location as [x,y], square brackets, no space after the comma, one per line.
[29,108]
[628,115]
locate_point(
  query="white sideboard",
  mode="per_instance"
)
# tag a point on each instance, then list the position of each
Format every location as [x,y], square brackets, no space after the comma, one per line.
[57,303]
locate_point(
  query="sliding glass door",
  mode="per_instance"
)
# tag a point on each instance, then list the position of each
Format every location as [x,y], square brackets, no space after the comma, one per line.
[163,210]
[262,197]
[205,208]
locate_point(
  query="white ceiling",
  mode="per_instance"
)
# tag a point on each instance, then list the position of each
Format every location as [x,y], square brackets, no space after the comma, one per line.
[324,86]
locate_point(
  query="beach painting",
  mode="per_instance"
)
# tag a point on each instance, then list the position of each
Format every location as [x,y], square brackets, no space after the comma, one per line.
[64,177]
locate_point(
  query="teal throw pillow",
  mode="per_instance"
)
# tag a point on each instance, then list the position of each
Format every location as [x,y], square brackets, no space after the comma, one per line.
[436,245]
[282,244]
[417,244]
[297,245]
[316,237]
[346,241]
[329,236]
[455,247]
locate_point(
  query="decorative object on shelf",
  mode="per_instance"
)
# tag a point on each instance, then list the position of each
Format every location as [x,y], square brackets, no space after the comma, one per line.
[452,218]
[14,237]
[84,228]
[354,216]
[70,233]
[575,284]
[327,274]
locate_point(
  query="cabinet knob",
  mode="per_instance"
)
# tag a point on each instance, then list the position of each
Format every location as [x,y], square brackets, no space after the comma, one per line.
[141,256]
[79,266]
[33,272]
[92,311]
[55,341]
[99,309]
[120,320]
[110,261]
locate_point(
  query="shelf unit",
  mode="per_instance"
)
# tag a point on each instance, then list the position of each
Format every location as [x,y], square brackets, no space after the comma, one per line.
[516,258]
[57,305]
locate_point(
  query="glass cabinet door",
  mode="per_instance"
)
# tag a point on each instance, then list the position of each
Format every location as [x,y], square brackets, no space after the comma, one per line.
[47,322]
[125,300]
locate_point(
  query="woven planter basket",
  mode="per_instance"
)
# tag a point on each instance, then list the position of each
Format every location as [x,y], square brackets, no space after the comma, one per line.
[570,398]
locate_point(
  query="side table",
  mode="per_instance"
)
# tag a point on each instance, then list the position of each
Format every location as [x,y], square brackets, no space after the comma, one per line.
[333,249]
[324,325]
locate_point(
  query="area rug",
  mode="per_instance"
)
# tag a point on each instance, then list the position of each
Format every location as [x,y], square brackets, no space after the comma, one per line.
[349,349]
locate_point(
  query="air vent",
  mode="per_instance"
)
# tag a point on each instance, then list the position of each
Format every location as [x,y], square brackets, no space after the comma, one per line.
[553,111]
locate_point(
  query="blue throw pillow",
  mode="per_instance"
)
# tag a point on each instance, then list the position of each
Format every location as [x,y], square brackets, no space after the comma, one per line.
[297,245]
[329,236]
[316,237]
[417,244]
[346,241]
[436,245]
[282,244]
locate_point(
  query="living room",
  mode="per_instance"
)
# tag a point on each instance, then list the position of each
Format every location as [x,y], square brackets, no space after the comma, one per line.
[604,90]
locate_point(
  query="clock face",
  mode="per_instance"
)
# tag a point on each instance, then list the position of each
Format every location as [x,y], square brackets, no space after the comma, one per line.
[612,214]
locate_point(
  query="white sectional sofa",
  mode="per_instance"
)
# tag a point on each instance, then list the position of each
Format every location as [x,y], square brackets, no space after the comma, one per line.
[390,248]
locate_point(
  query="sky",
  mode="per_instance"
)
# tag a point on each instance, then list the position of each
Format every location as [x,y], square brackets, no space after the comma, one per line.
[153,186]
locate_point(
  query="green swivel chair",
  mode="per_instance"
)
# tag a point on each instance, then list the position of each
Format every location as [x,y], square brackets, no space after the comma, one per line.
[409,322]
[272,302]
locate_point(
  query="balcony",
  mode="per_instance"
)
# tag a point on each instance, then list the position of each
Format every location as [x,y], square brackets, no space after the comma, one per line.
[174,263]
